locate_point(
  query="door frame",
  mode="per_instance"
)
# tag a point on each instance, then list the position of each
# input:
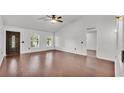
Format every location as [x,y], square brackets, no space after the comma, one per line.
[96,32]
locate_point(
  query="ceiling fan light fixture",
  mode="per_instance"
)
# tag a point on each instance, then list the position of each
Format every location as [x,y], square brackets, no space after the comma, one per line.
[53,21]
[53,18]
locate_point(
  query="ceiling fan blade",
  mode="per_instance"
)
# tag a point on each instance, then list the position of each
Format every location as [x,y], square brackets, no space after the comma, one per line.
[59,21]
[59,17]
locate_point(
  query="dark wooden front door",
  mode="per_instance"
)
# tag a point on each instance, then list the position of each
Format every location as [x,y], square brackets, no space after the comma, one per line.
[12,43]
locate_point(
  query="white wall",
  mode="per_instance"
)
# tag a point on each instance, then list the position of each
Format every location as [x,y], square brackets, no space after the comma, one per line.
[1,40]
[123,34]
[70,36]
[26,37]
[91,40]
[106,38]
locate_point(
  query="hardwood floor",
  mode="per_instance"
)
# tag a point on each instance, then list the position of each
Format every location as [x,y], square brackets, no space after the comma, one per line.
[55,64]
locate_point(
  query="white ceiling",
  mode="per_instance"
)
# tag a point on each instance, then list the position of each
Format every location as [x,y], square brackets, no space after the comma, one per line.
[32,22]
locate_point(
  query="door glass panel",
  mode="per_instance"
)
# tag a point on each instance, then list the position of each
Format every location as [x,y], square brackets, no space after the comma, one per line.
[13,41]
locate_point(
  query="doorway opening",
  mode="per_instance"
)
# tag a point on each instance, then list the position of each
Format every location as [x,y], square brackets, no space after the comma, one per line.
[91,38]
[12,43]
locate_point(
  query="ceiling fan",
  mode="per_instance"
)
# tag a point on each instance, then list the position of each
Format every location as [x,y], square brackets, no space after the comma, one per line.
[52,18]
[119,17]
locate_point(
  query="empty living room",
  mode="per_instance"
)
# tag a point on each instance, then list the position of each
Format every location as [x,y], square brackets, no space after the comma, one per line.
[61,46]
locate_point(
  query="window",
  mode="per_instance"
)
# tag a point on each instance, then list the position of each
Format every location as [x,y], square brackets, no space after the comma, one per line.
[35,41]
[49,41]
[13,41]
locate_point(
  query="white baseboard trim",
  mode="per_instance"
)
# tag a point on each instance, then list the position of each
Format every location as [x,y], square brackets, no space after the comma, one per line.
[103,58]
[35,51]
[71,52]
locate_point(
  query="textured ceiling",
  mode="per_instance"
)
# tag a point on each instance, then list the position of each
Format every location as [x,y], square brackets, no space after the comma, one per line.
[32,22]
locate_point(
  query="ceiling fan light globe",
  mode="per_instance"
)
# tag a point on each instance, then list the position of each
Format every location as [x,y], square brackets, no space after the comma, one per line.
[53,21]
